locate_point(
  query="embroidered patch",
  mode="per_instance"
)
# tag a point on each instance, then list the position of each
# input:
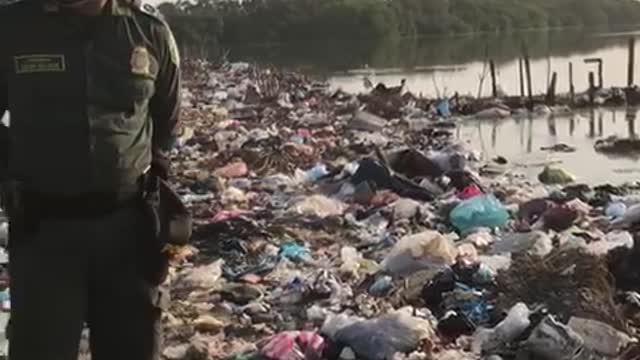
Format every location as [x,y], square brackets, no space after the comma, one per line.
[140,61]
[38,63]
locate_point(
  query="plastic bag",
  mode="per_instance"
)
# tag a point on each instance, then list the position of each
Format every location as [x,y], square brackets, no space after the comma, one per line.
[555,176]
[294,345]
[318,205]
[534,243]
[631,217]
[204,277]
[405,209]
[602,338]
[381,338]
[367,122]
[351,259]
[613,240]
[616,210]
[480,211]
[316,173]
[422,251]
[516,322]
[552,340]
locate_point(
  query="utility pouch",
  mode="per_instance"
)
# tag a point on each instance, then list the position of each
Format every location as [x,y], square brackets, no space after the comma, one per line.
[169,224]
[171,219]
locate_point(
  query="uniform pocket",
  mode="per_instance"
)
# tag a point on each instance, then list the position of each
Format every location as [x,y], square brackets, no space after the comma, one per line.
[140,88]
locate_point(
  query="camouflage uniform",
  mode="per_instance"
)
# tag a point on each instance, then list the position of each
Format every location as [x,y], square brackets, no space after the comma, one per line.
[94,105]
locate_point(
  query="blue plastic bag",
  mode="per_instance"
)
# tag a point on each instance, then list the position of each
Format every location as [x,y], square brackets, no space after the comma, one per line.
[443,108]
[479,211]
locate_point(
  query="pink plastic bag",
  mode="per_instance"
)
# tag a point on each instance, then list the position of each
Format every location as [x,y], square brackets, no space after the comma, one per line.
[225,215]
[294,345]
[233,170]
[469,192]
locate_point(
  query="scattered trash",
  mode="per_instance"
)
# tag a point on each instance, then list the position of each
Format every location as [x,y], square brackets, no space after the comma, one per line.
[318,205]
[616,210]
[600,337]
[553,340]
[555,176]
[365,214]
[383,337]
[294,345]
[480,211]
[426,250]
[516,322]
[493,113]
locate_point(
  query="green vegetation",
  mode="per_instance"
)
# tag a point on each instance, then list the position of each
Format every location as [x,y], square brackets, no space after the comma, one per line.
[206,23]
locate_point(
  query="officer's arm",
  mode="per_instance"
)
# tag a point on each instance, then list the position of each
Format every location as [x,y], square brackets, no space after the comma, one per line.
[165,104]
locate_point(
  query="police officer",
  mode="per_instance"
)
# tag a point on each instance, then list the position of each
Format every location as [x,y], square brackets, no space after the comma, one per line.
[92,87]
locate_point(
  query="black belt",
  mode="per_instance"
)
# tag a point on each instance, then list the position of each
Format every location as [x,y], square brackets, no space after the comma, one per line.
[90,205]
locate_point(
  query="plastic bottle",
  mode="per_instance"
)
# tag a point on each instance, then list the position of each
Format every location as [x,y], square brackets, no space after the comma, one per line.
[350,261]
[382,286]
[316,173]
[516,322]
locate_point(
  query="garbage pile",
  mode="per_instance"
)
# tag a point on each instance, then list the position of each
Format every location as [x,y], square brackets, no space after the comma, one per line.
[334,226]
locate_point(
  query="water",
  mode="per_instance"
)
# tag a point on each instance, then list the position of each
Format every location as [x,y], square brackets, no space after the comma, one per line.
[521,140]
[443,65]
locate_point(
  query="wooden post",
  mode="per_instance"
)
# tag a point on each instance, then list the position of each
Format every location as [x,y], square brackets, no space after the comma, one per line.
[551,91]
[521,78]
[600,75]
[592,87]
[494,85]
[600,67]
[632,56]
[527,67]
[572,89]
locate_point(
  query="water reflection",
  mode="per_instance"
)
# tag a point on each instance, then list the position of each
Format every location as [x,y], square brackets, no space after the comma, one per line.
[551,122]
[630,116]
[521,140]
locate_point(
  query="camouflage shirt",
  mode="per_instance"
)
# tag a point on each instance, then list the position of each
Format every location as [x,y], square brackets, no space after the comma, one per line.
[92,98]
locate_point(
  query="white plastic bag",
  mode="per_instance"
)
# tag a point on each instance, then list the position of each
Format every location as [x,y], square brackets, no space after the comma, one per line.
[422,251]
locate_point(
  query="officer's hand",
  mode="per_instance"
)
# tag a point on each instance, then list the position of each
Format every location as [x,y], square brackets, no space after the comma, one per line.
[160,168]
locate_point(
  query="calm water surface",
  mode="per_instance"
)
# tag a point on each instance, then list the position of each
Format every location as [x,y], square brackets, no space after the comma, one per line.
[521,140]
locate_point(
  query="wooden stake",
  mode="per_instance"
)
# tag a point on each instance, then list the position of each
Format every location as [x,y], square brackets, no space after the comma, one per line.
[600,75]
[521,78]
[592,87]
[632,55]
[572,89]
[600,66]
[527,66]
[551,91]
[494,85]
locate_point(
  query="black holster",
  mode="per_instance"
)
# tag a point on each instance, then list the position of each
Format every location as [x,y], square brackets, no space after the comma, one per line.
[170,223]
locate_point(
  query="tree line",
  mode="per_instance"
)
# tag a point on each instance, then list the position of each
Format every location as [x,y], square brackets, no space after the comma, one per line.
[212,22]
